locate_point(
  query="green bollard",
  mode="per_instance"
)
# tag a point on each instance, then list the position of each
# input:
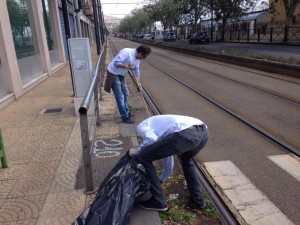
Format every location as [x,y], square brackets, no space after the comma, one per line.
[2,153]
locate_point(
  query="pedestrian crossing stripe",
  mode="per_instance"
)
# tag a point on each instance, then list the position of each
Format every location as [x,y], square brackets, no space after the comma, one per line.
[252,204]
[289,163]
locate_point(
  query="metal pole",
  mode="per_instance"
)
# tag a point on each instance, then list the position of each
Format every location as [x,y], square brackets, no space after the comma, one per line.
[68,34]
[101,22]
[96,26]
[89,185]
[84,126]
[66,18]
[96,103]
[78,25]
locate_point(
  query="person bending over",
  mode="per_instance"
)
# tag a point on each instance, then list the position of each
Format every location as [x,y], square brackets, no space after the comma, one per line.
[170,135]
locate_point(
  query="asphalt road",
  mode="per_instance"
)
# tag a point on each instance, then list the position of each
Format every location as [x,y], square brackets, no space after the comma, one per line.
[278,51]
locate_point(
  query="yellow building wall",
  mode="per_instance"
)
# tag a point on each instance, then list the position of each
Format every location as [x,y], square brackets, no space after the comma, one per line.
[279,16]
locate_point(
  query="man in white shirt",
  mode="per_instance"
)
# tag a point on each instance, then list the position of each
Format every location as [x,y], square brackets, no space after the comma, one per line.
[127,59]
[150,138]
[165,136]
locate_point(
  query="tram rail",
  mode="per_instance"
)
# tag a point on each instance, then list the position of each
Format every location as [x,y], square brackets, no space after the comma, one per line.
[277,141]
[289,148]
[226,215]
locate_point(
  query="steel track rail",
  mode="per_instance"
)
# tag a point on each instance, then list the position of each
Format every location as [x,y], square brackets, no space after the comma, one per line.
[295,102]
[237,68]
[271,137]
[227,217]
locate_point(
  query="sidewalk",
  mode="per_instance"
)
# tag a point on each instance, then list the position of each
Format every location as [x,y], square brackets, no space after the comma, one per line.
[44,182]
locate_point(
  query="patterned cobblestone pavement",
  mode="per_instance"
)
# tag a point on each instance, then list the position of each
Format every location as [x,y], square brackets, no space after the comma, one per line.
[44,154]
[44,183]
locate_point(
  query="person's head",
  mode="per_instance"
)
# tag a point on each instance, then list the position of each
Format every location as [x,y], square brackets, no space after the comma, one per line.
[143,51]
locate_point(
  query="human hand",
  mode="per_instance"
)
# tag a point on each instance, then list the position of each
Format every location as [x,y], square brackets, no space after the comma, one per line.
[130,66]
[133,151]
[140,87]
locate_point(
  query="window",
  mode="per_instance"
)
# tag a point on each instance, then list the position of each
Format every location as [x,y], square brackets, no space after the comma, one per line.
[22,27]
[48,23]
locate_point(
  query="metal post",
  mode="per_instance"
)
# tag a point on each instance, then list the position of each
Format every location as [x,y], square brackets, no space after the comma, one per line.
[89,185]
[258,35]
[101,22]
[102,72]
[286,34]
[271,34]
[248,34]
[78,25]
[96,103]
[2,153]
[96,26]
[68,34]
[66,18]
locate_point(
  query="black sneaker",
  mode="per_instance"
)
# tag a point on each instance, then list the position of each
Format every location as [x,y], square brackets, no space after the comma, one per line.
[130,115]
[128,120]
[154,205]
[193,205]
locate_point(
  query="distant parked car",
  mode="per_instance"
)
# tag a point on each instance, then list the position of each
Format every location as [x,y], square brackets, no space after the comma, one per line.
[169,36]
[147,36]
[199,38]
[159,35]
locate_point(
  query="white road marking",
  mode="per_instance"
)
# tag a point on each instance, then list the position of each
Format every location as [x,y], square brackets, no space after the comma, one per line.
[251,203]
[112,148]
[289,163]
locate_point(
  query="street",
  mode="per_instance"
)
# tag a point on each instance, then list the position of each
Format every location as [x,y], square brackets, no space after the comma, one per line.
[277,51]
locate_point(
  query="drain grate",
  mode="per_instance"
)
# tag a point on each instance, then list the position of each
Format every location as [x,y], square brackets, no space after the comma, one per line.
[53,110]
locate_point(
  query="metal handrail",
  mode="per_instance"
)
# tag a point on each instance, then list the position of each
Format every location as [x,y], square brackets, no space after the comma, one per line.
[88,96]
[84,124]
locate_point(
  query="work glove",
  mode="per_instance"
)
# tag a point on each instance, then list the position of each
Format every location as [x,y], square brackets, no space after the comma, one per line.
[130,66]
[133,151]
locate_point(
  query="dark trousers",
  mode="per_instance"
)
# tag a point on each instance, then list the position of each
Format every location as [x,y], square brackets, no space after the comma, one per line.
[187,143]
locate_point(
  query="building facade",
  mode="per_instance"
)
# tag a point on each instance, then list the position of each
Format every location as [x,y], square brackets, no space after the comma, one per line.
[33,42]
[278,15]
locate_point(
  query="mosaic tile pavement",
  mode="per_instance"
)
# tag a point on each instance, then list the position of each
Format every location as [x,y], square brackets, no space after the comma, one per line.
[44,154]
[42,185]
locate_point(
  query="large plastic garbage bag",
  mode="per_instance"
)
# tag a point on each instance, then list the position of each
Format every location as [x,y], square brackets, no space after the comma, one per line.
[115,198]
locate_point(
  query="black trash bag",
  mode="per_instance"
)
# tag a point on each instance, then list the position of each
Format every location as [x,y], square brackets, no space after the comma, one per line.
[114,200]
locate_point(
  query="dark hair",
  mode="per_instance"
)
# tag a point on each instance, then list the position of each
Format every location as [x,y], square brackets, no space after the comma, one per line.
[144,49]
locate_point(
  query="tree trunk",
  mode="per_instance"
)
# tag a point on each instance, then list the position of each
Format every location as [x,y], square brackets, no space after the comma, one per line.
[223,31]
[287,29]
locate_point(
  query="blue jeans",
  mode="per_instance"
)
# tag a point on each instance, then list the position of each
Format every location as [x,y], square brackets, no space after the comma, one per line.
[187,143]
[121,93]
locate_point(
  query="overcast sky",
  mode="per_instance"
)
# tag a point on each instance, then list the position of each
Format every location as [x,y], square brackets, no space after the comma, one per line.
[121,8]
